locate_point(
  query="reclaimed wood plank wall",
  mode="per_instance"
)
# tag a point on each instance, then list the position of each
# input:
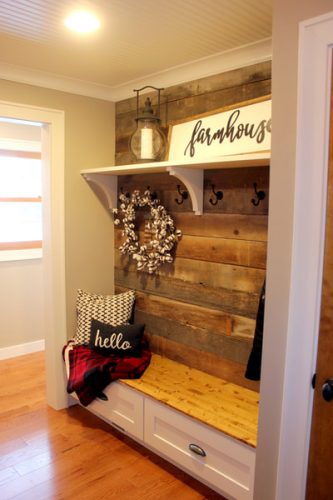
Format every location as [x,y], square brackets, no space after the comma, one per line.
[200,310]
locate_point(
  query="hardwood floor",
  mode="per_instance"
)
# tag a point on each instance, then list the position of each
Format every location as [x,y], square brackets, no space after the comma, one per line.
[71,454]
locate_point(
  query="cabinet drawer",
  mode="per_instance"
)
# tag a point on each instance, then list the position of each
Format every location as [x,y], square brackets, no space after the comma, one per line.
[124,409]
[228,465]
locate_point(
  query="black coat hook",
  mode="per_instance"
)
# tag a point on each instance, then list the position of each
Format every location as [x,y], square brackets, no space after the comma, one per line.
[217,194]
[259,194]
[126,194]
[153,195]
[183,194]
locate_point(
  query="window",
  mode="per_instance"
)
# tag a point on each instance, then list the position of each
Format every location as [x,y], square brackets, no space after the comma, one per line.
[20,190]
[20,200]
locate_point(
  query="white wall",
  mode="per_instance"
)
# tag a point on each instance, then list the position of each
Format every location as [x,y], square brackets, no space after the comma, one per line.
[21,303]
[89,143]
[19,131]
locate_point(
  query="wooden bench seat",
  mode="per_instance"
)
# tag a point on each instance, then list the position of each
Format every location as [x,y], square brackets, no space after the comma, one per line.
[226,407]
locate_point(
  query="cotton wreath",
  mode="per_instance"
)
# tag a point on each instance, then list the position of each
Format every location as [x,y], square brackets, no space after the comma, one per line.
[161,226]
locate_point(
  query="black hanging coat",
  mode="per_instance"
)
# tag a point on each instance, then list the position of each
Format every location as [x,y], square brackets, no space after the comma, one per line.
[253,369]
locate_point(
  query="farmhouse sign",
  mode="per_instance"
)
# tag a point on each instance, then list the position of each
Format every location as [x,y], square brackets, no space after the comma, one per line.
[245,129]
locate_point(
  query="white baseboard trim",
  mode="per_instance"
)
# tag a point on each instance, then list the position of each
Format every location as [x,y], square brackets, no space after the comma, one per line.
[20,349]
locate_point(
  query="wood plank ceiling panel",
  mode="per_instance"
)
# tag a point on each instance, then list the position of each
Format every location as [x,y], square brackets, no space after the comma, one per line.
[135,39]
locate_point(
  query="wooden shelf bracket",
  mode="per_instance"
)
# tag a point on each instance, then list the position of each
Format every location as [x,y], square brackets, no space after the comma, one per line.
[107,185]
[193,181]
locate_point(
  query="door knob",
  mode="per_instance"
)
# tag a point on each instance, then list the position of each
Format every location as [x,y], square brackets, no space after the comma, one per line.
[327,389]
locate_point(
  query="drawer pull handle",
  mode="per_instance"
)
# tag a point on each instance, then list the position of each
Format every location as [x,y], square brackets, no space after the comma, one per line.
[197,449]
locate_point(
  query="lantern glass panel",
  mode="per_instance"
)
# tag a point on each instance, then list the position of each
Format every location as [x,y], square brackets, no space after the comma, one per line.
[147,142]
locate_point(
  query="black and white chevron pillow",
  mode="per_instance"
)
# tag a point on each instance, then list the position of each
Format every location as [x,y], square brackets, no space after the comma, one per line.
[110,309]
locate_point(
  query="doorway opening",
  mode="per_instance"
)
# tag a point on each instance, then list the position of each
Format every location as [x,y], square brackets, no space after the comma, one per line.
[53,228]
[21,266]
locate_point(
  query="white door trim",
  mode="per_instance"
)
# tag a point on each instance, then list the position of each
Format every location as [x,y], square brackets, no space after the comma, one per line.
[53,157]
[314,78]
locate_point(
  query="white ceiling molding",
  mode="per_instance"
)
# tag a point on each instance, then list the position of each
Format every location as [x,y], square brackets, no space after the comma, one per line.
[53,81]
[218,63]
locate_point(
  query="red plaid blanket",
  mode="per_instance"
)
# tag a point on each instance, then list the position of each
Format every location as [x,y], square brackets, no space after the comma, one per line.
[90,372]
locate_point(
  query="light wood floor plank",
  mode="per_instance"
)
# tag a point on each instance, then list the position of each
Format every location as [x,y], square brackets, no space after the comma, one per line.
[71,454]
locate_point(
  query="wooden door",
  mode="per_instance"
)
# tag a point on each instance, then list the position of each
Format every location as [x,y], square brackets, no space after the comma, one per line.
[320,474]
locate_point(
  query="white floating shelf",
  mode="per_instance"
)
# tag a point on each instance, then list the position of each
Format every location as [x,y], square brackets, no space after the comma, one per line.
[189,172]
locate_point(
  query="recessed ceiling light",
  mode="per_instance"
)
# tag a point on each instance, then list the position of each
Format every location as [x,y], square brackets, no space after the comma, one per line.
[82,22]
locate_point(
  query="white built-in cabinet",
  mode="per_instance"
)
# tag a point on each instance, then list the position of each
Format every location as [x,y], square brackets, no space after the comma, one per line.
[221,462]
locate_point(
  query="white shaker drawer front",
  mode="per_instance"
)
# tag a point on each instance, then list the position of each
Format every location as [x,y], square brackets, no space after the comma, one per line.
[124,409]
[224,463]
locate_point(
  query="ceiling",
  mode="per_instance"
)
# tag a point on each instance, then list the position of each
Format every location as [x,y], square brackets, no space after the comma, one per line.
[139,40]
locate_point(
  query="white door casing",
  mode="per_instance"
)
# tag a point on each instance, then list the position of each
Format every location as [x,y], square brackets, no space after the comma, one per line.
[53,159]
[314,75]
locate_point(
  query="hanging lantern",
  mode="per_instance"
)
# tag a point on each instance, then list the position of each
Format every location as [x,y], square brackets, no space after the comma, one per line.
[147,143]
